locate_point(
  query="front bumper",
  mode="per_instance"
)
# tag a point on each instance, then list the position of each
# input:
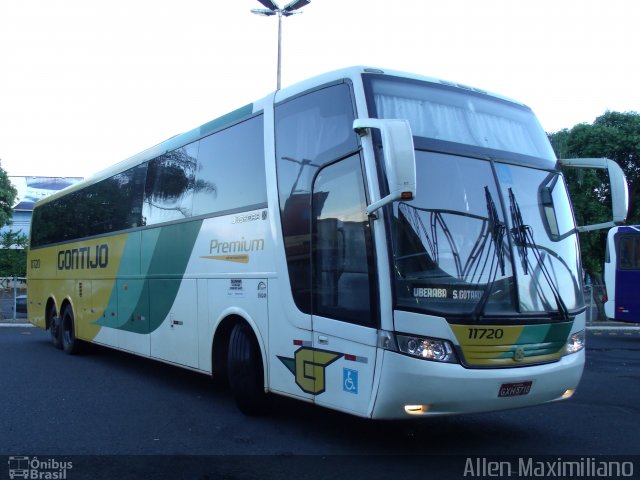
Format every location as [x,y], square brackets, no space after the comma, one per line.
[446,389]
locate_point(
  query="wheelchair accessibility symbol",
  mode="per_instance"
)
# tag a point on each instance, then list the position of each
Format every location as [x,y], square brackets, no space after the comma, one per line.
[350,380]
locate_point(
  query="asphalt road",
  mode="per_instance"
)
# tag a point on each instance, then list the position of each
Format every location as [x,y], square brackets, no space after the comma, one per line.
[106,402]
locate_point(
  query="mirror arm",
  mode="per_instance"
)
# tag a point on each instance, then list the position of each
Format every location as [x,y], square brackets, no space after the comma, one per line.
[619,188]
[371,209]
[399,157]
[597,226]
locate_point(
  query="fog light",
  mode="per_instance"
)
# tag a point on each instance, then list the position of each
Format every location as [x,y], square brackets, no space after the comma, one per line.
[568,393]
[416,409]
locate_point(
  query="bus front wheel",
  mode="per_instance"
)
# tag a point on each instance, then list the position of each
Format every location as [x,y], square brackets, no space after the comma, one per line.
[245,371]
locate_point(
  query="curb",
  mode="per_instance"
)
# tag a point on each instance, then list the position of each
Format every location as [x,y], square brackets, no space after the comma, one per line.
[612,325]
[613,329]
[629,326]
[16,325]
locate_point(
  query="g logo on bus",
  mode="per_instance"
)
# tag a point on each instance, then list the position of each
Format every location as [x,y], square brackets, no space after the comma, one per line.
[518,355]
[308,366]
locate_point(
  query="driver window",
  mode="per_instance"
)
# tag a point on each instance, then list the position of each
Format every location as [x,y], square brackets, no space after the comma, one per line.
[342,251]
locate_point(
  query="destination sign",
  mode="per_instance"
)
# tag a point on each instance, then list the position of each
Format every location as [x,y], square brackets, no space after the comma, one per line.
[447,292]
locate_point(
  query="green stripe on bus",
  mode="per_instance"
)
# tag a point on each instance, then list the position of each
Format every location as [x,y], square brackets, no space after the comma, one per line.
[227,119]
[165,266]
[171,257]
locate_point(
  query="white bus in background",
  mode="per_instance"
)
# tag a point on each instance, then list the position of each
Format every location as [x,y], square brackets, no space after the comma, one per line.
[379,243]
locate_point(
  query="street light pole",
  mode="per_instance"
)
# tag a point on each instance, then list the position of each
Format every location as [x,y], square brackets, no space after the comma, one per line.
[273,9]
[279,49]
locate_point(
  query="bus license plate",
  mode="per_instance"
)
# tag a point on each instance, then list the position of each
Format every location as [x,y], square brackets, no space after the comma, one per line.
[515,389]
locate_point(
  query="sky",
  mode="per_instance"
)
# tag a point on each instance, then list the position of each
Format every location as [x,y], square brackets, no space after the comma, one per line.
[85,84]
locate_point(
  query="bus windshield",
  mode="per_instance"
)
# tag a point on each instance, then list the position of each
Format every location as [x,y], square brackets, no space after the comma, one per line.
[484,236]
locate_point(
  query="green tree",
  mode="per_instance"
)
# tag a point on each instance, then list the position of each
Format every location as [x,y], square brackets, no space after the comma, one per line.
[7,197]
[13,254]
[614,135]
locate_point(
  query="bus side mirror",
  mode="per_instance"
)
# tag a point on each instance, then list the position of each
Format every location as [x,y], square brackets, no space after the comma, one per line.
[619,188]
[399,157]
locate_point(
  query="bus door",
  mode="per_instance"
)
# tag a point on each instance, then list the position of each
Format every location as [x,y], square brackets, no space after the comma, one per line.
[328,249]
[343,320]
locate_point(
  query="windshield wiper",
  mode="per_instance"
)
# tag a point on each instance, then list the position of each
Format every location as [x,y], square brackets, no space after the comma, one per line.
[481,264]
[523,237]
[496,229]
[519,231]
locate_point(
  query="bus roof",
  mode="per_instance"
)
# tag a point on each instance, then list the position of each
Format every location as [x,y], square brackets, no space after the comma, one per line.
[353,73]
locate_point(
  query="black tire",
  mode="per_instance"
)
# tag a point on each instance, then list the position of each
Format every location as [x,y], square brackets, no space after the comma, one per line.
[70,344]
[54,327]
[245,371]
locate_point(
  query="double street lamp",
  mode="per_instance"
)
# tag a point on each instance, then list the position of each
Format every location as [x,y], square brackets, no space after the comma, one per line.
[272,9]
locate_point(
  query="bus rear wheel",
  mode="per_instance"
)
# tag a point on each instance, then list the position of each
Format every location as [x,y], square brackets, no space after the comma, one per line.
[54,327]
[245,371]
[70,344]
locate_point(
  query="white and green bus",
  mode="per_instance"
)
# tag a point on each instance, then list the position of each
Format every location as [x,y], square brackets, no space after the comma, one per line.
[374,242]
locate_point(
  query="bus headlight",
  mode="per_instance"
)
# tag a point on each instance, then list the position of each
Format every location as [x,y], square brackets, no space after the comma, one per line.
[427,348]
[575,343]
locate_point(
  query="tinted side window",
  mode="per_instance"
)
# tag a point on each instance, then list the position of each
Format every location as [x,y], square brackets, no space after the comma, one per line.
[115,203]
[171,180]
[48,221]
[311,131]
[223,171]
[231,171]
[342,248]
[629,252]
[110,205]
[41,226]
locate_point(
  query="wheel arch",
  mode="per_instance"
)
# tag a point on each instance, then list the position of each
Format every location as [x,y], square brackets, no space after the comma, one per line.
[60,306]
[51,301]
[221,337]
[66,302]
